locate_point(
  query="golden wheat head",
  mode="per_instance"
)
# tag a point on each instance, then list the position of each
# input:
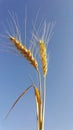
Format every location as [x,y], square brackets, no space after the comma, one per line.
[42,36]
[43,55]
[24,51]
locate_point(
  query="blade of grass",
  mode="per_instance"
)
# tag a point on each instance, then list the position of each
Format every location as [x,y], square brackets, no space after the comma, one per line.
[21,95]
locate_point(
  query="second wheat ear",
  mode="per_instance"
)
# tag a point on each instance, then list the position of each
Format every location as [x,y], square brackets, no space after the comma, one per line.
[43,56]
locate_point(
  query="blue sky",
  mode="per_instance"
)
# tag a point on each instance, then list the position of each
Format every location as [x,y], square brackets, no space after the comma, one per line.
[14,70]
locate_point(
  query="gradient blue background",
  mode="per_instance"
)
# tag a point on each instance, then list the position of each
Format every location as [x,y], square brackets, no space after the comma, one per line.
[14,70]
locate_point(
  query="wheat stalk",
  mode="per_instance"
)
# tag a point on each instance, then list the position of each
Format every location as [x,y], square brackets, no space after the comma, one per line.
[43,40]
[42,36]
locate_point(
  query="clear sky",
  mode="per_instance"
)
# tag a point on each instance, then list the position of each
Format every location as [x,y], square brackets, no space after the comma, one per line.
[14,70]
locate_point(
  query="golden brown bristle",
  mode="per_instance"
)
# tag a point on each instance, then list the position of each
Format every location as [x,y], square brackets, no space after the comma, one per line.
[24,51]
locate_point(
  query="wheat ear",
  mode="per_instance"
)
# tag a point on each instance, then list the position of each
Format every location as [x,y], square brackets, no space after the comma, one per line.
[24,51]
[43,56]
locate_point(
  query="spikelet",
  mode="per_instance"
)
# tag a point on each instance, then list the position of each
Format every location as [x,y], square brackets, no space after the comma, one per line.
[43,56]
[39,108]
[24,51]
